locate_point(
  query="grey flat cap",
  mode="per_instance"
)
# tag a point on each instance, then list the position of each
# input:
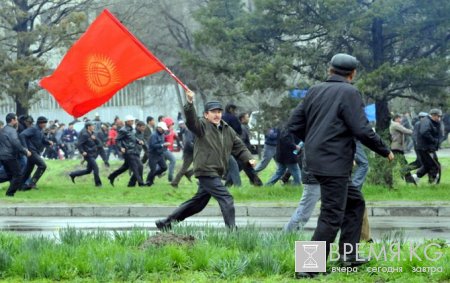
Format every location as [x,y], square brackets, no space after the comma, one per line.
[436,111]
[211,105]
[423,114]
[344,62]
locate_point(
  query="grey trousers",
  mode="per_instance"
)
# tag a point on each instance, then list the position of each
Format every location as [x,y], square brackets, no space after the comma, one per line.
[208,187]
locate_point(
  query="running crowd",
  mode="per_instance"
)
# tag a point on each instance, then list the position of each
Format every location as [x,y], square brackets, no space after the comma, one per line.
[25,145]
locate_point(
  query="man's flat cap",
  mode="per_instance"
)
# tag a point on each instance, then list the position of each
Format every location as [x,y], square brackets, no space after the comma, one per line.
[344,62]
[88,123]
[211,105]
[436,111]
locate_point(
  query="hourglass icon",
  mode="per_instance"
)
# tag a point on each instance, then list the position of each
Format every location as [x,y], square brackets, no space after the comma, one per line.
[310,262]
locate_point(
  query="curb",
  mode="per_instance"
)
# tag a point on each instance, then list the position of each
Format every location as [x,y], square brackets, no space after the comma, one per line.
[241,211]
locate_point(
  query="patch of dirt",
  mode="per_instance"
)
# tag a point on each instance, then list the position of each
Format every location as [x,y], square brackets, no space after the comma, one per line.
[161,239]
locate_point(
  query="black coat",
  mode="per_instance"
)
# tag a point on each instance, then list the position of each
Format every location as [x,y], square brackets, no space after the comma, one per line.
[34,139]
[127,139]
[285,148]
[328,120]
[87,143]
[10,146]
[233,121]
[428,135]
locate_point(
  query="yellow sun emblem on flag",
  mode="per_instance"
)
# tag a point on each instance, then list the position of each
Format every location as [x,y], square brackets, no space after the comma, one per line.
[101,73]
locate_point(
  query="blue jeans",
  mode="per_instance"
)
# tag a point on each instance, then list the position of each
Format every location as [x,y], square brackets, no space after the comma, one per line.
[281,168]
[168,155]
[268,154]
[310,197]
[360,173]
[233,172]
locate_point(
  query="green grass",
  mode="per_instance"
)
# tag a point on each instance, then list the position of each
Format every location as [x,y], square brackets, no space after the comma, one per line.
[217,255]
[55,187]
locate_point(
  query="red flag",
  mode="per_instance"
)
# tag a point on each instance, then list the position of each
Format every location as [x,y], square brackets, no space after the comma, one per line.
[106,58]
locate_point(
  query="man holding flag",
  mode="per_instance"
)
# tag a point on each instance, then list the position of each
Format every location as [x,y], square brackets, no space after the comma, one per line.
[215,142]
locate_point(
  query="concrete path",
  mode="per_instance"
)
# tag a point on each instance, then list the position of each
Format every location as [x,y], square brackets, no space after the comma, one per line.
[414,228]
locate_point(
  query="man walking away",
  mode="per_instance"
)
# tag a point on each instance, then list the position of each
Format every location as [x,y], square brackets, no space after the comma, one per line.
[130,147]
[156,148]
[398,144]
[416,164]
[188,155]
[330,151]
[245,137]
[427,144]
[215,142]
[286,159]
[270,146]
[10,149]
[35,141]
[88,148]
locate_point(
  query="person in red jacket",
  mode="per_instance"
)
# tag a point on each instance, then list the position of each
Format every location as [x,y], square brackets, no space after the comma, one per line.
[111,142]
[170,136]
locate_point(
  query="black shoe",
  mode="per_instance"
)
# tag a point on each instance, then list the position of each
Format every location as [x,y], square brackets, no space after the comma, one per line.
[142,185]
[163,225]
[175,186]
[111,180]
[257,181]
[72,178]
[148,184]
[351,261]
[306,275]
[131,185]
[9,195]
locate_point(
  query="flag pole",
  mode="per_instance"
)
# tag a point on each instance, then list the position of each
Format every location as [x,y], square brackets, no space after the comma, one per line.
[107,12]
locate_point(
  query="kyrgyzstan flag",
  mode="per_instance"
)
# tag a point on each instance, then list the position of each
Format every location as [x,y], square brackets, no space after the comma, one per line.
[106,58]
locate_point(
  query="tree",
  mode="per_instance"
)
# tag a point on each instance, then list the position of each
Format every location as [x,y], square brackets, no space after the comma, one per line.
[30,31]
[402,45]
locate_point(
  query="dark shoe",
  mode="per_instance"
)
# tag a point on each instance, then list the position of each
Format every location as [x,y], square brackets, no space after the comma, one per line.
[410,179]
[148,184]
[72,178]
[111,180]
[351,261]
[142,185]
[257,181]
[163,225]
[9,195]
[107,164]
[131,185]
[305,275]
[174,185]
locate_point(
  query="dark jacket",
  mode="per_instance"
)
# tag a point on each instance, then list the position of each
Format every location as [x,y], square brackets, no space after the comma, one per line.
[328,120]
[285,148]
[428,135]
[188,141]
[140,147]
[86,143]
[147,133]
[307,177]
[126,138]
[245,136]
[272,136]
[10,146]
[213,145]
[233,121]
[34,139]
[156,144]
